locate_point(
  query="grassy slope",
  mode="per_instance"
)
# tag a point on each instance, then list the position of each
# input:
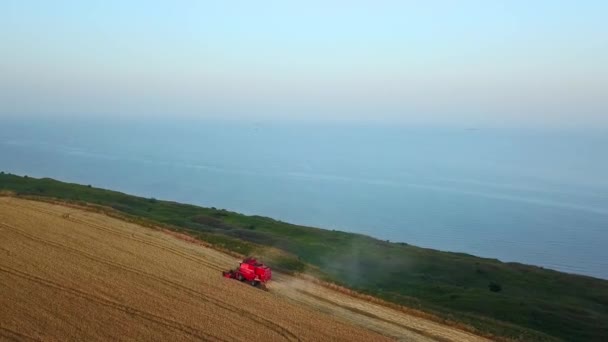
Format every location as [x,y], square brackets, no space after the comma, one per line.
[534,303]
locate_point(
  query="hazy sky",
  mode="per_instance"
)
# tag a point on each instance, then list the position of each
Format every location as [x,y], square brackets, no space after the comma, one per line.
[403,61]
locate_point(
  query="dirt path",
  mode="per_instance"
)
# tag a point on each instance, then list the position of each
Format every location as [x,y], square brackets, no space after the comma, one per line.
[68,274]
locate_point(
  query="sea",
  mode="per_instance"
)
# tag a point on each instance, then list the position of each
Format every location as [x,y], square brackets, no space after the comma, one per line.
[535,195]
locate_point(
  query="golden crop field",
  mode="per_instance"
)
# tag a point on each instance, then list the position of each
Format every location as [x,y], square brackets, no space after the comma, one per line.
[70,274]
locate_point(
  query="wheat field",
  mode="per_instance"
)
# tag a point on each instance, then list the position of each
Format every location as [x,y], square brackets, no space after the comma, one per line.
[71,274]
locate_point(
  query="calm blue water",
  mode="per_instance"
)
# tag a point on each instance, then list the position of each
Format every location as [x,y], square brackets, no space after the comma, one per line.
[533,196]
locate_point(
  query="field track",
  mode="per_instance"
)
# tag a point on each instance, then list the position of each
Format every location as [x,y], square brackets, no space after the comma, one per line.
[69,274]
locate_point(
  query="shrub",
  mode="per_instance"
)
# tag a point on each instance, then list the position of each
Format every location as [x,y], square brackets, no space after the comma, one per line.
[494,287]
[210,221]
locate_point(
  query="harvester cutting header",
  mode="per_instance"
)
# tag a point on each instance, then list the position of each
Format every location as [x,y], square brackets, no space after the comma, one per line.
[252,271]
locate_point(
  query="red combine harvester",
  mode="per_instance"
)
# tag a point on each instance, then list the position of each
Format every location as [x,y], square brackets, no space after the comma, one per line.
[251,271]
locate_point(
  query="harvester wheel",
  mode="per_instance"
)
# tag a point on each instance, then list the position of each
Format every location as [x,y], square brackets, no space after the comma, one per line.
[239,277]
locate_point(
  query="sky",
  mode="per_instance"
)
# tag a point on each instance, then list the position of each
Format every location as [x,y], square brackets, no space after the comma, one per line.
[466,62]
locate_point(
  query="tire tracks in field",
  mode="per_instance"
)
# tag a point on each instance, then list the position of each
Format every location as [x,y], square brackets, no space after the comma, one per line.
[284,332]
[415,330]
[112,304]
[15,335]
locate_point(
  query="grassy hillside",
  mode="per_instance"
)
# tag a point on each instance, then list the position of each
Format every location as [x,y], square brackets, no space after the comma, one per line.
[506,299]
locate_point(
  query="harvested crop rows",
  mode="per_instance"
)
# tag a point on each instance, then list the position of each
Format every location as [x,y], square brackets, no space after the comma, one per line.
[69,274]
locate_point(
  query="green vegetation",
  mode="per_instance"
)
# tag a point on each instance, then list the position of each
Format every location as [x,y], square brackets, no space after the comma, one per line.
[505,299]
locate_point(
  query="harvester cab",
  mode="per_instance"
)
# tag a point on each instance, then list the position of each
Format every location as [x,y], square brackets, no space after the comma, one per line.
[252,271]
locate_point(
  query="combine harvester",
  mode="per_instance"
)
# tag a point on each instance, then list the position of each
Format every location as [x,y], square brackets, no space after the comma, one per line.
[251,271]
